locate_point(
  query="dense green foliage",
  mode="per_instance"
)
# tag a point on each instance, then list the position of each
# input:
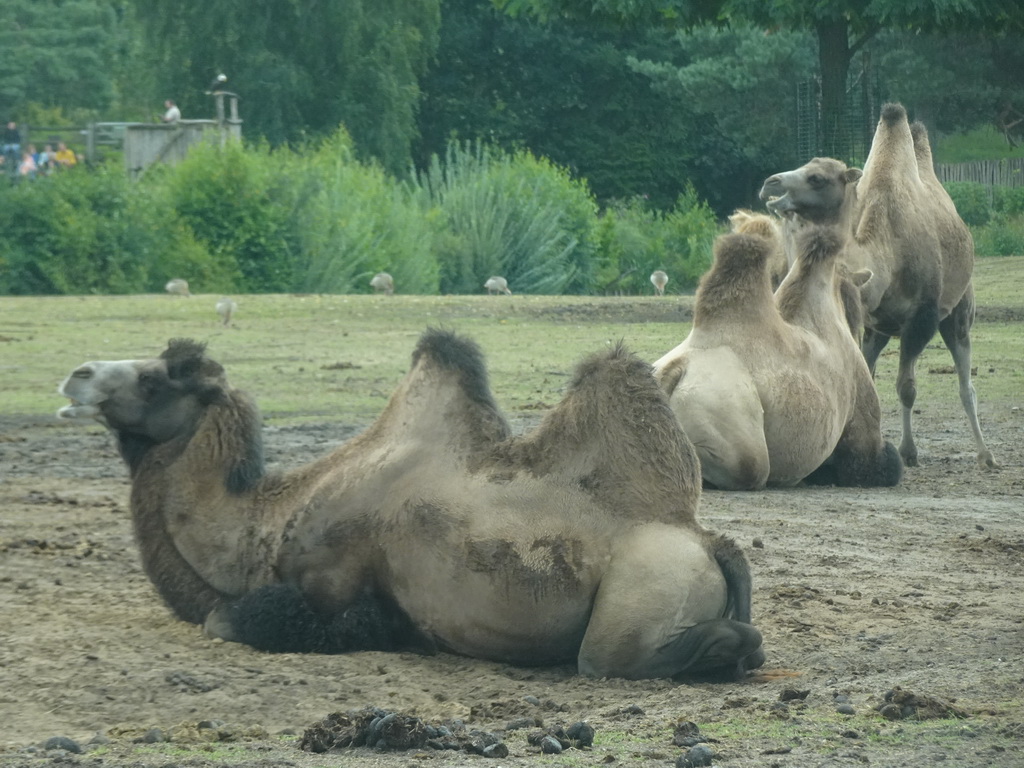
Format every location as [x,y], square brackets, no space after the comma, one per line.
[635,240]
[257,220]
[510,215]
[301,68]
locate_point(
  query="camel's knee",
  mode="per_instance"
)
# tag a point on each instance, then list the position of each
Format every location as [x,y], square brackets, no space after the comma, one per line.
[906,390]
[735,471]
[878,469]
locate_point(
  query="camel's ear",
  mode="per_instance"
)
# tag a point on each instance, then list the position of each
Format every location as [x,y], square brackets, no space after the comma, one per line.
[861,277]
[852,175]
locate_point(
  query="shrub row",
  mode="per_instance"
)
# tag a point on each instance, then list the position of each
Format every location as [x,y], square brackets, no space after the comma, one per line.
[994,214]
[248,219]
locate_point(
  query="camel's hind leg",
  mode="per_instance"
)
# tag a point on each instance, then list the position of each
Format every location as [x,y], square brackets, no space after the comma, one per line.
[660,609]
[956,333]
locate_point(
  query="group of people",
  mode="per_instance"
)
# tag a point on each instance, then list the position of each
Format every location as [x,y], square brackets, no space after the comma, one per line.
[28,162]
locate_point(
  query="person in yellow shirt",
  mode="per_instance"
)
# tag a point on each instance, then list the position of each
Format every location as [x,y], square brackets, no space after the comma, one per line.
[64,157]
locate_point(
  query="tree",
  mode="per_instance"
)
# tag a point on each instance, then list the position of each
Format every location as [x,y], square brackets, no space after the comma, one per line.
[56,54]
[842,27]
[301,68]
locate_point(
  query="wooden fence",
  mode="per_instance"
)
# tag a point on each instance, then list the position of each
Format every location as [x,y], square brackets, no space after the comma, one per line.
[1008,172]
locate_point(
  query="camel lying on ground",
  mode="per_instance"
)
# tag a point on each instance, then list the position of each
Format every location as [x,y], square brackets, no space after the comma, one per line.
[434,528]
[659,279]
[771,389]
[902,226]
[496,285]
[226,309]
[382,282]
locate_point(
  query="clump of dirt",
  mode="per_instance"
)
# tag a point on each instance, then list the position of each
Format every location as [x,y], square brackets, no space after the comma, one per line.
[393,731]
[899,704]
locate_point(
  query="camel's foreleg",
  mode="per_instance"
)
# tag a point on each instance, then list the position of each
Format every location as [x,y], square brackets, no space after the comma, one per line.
[956,333]
[914,337]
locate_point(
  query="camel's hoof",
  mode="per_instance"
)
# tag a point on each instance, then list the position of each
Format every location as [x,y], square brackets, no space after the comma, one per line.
[986,461]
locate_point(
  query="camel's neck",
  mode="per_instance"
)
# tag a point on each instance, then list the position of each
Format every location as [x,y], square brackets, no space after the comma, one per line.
[195,512]
[808,297]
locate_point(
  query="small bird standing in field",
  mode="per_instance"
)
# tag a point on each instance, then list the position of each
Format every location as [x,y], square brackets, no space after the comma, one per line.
[382,283]
[497,285]
[226,309]
[177,287]
[659,279]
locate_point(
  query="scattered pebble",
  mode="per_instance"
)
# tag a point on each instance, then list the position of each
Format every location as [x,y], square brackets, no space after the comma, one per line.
[846,709]
[549,745]
[696,756]
[62,742]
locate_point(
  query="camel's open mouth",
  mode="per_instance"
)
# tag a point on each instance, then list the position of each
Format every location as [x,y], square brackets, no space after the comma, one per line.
[77,410]
[779,204]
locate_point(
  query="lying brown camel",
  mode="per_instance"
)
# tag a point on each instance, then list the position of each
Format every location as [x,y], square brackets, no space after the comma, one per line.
[772,389]
[902,226]
[434,528]
[382,282]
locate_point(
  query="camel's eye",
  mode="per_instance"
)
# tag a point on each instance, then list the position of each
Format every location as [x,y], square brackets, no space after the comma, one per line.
[816,180]
[148,383]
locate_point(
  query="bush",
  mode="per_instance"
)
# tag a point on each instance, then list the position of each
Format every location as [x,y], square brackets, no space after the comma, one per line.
[1009,200]
[356,222]
[240,204]
[972,201]
[1003,236]
[512,215]
[635,241]
[84,231]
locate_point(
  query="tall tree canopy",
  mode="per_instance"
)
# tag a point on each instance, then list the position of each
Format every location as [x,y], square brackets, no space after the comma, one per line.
[842,27]
[56,54]
[301,68]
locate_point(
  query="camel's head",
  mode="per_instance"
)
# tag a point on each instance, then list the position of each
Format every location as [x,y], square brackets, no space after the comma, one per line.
[156,399]
[815,191]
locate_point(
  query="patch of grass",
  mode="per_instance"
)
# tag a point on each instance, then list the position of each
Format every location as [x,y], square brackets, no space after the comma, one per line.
[985,143]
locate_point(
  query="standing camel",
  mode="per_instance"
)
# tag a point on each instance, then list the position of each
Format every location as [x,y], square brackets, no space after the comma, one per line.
[902,226]
[382,282]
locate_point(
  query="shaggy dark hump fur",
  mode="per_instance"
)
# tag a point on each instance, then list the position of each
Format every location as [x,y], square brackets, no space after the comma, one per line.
[183,357]
[893,113]
[457,353]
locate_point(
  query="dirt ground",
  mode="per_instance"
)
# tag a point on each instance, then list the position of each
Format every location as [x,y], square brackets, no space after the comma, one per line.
[858,593]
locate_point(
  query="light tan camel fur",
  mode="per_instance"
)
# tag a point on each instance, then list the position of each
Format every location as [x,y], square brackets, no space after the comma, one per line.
[772,389]
[902,226]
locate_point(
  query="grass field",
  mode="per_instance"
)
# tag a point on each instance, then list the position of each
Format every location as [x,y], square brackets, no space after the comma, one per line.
[337,358]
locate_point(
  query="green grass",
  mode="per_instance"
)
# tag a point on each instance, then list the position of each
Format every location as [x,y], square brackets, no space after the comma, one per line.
[985,143]
[338,358]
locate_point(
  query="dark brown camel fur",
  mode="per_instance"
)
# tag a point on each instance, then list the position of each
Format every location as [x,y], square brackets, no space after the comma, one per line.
[434,528]
[902,226]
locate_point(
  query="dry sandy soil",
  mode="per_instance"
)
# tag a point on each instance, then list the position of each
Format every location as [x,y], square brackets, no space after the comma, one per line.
[857,592]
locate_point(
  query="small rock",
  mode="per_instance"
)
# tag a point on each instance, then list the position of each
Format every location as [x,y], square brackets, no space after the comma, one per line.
[62,742]
[792,694]
[687,734]
[846,709]
[549,745]
[891,712]
[757,544]
[532,700]
[99,740]
[495,750]
[696,756]
[520,723]
[153,736]
[581,734]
